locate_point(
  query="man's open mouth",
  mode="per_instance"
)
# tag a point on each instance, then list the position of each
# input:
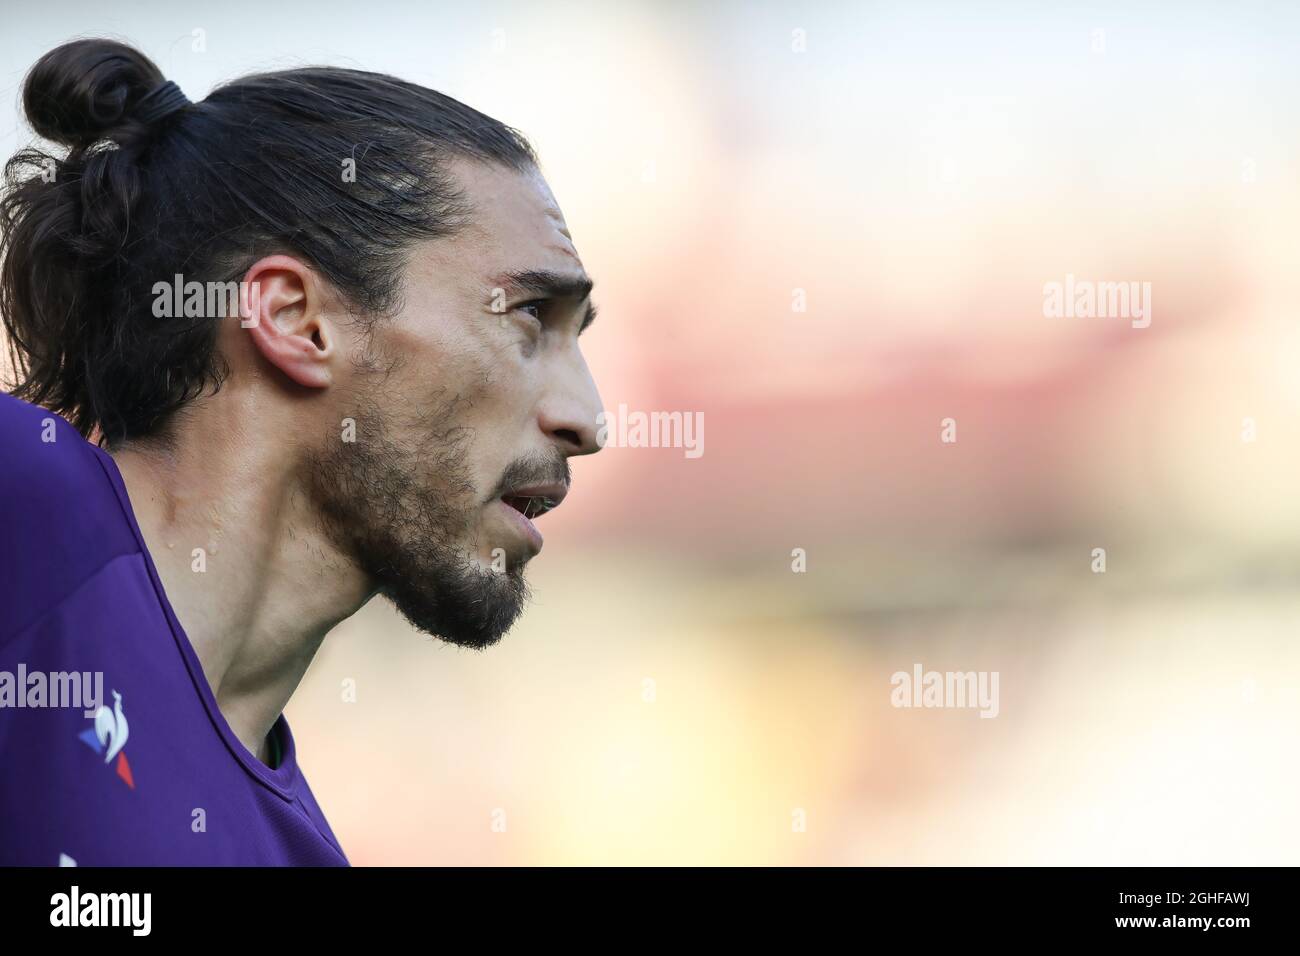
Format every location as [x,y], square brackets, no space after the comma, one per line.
[530,506]
[536,500]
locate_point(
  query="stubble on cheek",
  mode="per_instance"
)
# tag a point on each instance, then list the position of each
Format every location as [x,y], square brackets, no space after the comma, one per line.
[430,413]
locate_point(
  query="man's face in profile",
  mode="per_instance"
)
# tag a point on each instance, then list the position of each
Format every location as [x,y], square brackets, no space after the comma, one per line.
[467,404]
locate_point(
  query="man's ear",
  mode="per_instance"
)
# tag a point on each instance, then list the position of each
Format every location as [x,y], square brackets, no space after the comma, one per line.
[282,306]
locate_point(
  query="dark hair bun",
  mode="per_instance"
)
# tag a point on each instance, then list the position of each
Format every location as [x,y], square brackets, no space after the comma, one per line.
[82,92]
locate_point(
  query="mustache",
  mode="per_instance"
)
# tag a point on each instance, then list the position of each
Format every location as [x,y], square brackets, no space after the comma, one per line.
[533,470]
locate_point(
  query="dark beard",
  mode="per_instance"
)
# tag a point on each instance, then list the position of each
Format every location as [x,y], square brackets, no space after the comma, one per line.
[407,531]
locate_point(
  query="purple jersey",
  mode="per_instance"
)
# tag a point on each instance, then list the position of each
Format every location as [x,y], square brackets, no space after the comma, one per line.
[113,751]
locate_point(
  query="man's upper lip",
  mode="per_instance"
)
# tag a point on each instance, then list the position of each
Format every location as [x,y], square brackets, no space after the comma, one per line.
[555,492]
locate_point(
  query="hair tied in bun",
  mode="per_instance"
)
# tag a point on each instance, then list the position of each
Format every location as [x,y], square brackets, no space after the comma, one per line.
[159,103]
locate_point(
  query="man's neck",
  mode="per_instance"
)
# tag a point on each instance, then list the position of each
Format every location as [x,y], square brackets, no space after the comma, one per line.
[254,581]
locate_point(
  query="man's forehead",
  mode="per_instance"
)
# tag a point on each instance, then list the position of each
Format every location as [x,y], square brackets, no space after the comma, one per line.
[514,228]
[516,213]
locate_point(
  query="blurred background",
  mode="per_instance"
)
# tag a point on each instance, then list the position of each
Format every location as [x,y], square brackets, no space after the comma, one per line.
[828,228]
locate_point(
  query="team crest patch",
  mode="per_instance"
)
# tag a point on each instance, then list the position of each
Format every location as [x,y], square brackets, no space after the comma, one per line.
[108,737]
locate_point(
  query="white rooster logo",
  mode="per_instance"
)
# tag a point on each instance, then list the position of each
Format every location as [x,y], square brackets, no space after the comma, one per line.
[111,725]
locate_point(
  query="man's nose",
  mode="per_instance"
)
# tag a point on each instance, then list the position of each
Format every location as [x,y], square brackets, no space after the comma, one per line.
[568,416]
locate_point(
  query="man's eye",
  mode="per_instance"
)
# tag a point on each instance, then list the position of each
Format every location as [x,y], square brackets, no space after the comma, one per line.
[532,308]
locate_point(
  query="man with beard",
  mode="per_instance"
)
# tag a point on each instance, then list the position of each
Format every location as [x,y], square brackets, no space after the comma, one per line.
[393,404]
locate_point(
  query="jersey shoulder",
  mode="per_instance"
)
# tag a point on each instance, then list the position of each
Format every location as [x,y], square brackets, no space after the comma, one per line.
[60,514]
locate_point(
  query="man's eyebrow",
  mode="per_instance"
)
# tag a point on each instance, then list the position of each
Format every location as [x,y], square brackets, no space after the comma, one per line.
[546,283]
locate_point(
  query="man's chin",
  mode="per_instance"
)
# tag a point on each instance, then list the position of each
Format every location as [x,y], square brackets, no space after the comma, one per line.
[475,607]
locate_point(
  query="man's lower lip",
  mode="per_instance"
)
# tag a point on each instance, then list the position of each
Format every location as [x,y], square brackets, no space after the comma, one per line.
[526,527]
